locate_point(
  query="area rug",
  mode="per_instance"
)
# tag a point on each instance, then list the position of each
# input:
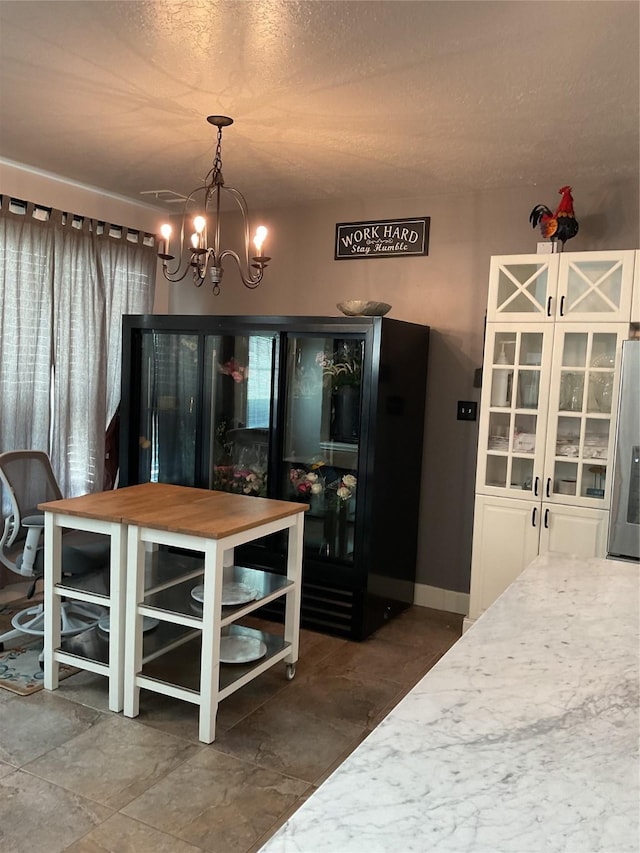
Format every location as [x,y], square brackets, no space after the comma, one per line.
[20,670]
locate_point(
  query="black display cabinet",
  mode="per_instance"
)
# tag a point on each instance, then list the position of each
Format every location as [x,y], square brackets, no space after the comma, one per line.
[325,410]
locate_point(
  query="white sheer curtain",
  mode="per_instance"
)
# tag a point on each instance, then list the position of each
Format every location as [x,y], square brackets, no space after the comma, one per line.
[85,281]
[79,419]
[128,270]
[26,269]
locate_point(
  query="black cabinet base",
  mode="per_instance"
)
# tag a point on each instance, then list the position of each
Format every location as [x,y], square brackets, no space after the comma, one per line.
[338,612]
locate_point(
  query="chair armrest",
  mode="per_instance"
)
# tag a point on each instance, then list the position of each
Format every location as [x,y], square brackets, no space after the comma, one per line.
[33,520]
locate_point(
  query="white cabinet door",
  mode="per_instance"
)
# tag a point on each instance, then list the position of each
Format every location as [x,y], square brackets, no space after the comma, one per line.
[522,288]
[565,287]
[513,410]
[574,530]
[595,286]
[583,397]
[505,541]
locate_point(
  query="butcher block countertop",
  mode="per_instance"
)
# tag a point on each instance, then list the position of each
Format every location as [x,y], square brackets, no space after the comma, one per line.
[522,739]
[180,509]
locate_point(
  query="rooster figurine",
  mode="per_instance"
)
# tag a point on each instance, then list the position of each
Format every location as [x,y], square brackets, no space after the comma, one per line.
[559,226]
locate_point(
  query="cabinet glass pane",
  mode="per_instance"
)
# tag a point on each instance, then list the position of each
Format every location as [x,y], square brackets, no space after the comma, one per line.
[601,372]
[321,439]
[238,378]
[528,389]
[568,436]
[496,471]
[531,348]
[168,417]
[502,377]
[596,439]
[574,352]
[593,480]
[522,288]
[571,391]
[565,478]
[521,474]
[524,435]
[594,287]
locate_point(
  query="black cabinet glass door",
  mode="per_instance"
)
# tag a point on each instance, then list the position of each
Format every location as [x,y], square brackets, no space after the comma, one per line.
[321,438]
[238,394]
[168,401]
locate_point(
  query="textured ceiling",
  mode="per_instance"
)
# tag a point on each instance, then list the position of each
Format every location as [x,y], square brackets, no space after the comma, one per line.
[330,99]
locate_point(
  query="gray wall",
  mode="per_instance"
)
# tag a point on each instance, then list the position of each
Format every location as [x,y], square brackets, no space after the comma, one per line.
[446,290]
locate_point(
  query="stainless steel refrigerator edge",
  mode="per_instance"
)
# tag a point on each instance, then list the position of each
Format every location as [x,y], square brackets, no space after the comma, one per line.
[624,523]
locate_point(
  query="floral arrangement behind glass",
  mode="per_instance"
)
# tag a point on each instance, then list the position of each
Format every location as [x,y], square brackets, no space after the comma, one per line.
[238,372]
[240,481]
[344,366]
[308,483]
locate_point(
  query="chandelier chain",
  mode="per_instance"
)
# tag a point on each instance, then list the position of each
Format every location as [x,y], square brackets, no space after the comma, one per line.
[217,160]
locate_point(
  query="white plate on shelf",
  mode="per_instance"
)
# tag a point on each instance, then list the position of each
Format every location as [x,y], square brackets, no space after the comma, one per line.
[239,649]
[232,593]
[148,623]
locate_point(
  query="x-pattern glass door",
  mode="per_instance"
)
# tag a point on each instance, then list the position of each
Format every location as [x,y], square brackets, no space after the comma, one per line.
[595,287]
[521,288]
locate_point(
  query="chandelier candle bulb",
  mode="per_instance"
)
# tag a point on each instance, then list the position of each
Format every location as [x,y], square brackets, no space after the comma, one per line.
[200,223]
[165,231]
[258,240]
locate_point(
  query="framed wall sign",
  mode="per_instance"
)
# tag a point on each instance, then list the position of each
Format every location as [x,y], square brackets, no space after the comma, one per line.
[383,238]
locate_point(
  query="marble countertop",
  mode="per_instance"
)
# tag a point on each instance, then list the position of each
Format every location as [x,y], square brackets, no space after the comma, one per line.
[522,739]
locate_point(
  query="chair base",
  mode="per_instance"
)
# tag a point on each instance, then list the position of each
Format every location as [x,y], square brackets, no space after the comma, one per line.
[76,617]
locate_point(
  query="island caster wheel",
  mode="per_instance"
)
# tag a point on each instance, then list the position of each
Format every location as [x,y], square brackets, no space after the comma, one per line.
[290,671]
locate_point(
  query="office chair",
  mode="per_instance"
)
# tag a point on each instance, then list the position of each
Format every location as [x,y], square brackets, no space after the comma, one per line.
[28,479]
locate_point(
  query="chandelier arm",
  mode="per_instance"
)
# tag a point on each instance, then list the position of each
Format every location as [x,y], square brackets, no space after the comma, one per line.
[242,204]
[174,276]
[216,241]
[250,280]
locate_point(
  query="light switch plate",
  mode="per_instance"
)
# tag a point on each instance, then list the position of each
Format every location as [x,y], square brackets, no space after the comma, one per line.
[467,410]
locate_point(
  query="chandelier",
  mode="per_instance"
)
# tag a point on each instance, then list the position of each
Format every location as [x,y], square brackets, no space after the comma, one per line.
[204,253]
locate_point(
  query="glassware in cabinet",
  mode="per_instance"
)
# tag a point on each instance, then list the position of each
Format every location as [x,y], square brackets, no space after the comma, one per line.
[582,407]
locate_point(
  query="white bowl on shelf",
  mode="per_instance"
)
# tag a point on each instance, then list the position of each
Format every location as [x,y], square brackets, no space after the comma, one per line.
[363,308]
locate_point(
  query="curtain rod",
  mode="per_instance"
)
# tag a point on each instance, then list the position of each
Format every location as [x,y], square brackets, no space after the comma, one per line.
[43,213]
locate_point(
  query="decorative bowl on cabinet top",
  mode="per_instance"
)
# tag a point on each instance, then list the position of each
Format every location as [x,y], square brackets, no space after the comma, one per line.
[363,308]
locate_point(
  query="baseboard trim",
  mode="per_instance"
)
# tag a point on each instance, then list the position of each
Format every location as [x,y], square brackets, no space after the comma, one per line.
[441,599]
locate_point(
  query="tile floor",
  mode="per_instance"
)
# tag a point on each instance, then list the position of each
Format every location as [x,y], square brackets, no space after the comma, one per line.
[75,777]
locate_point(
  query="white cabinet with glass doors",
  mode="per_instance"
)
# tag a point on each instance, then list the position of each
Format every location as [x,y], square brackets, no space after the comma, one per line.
[547,411]
[566,287]
[547,415]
